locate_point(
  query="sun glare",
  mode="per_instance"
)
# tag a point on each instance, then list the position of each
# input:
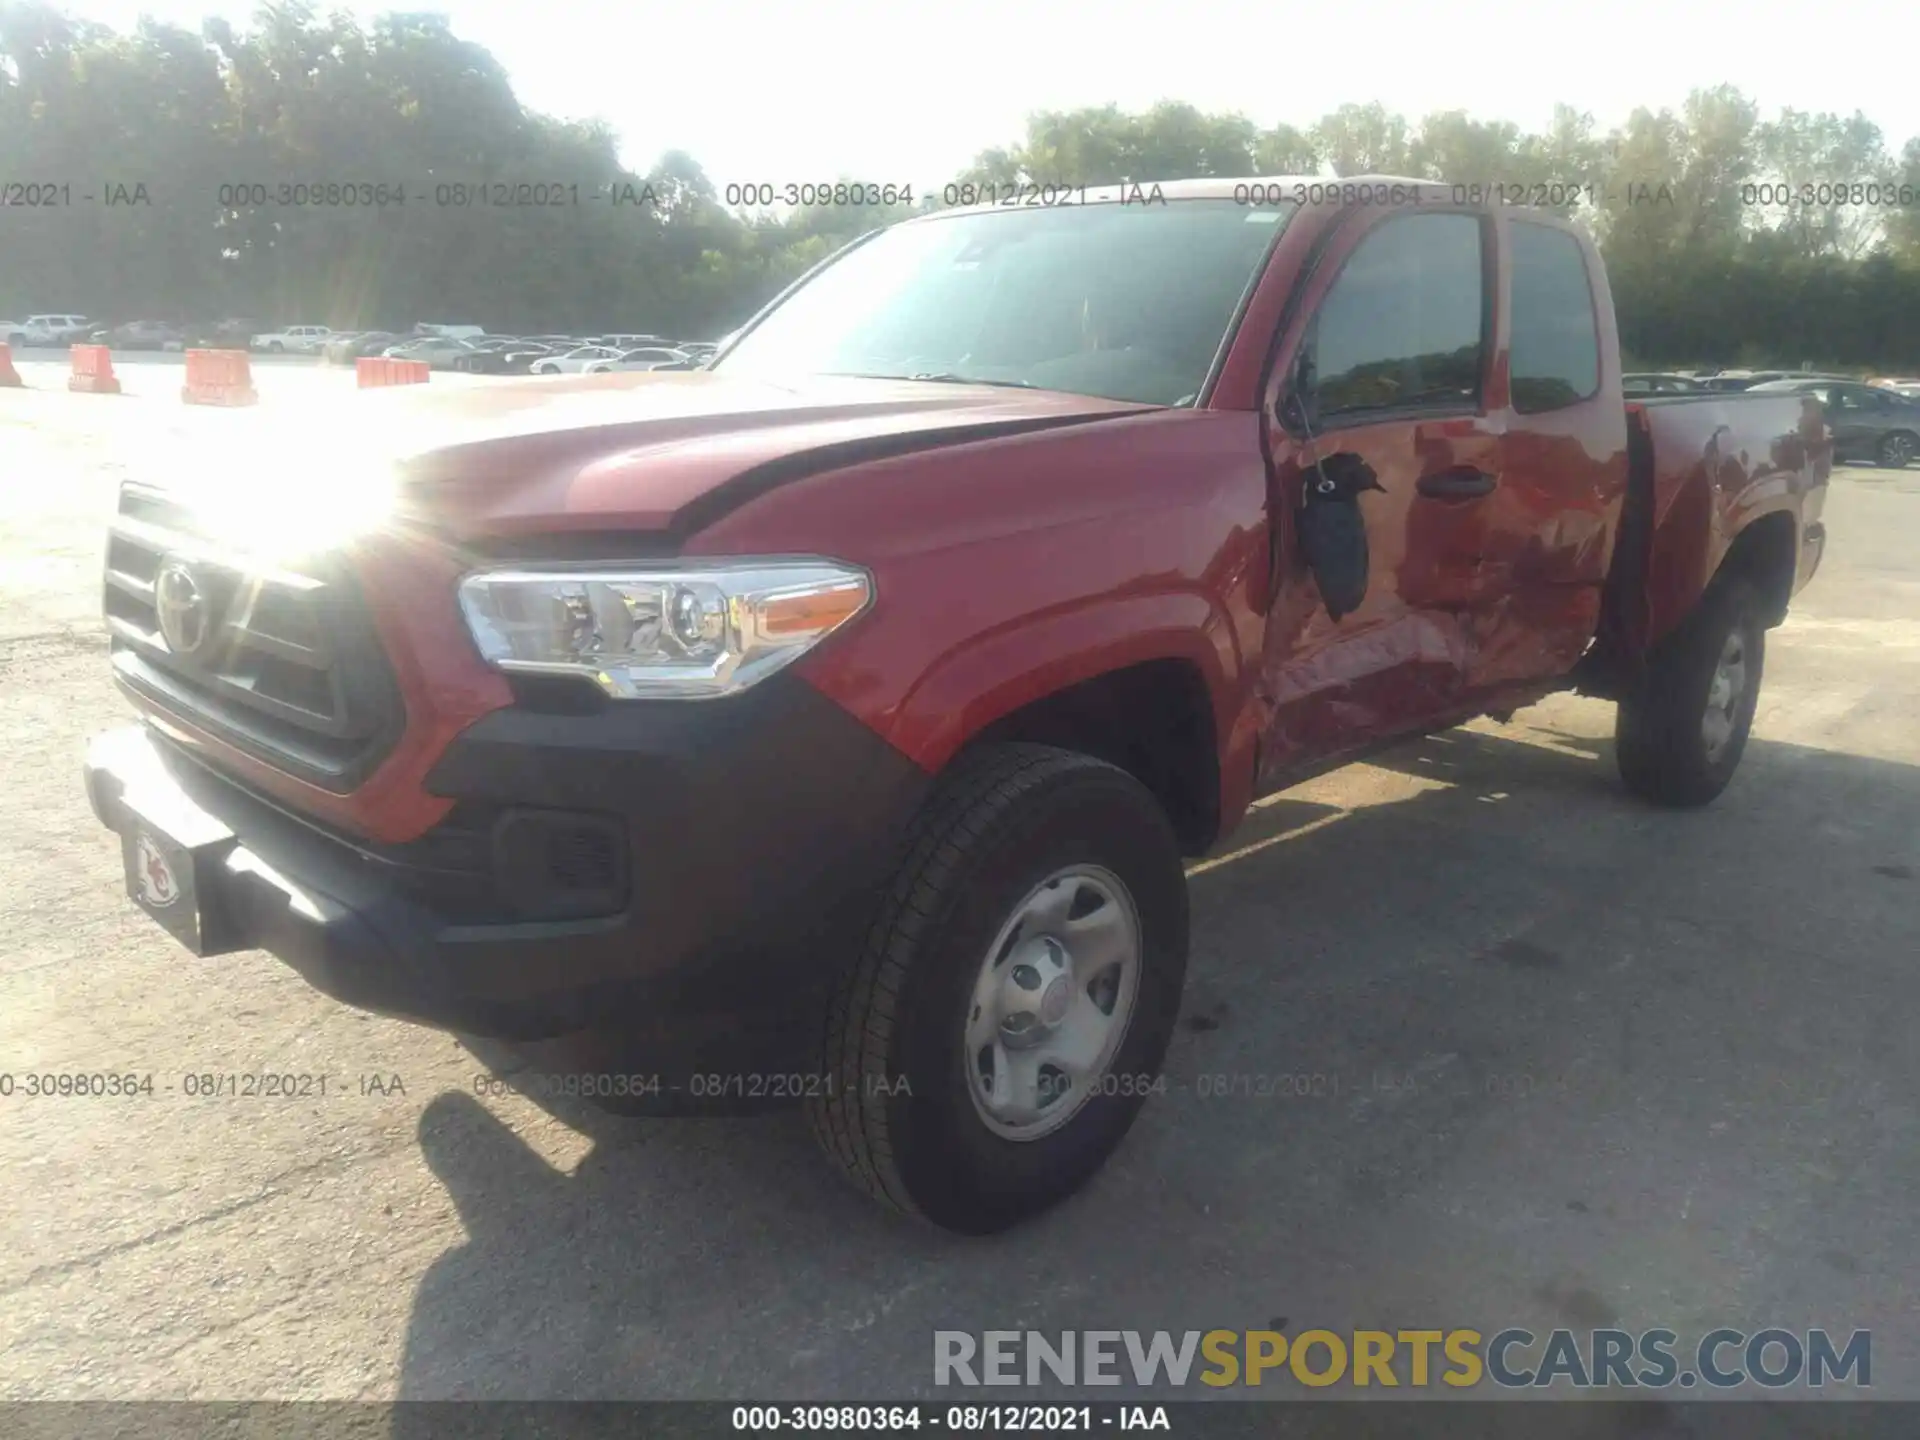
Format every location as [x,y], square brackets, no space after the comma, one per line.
[251,493]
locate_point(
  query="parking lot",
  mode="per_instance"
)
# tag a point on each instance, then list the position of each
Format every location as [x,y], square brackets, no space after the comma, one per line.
[1536,1056]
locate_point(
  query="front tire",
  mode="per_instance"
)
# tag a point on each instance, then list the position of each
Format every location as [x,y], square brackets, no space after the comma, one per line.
[1679,737]
[1896,450]
[1008,1015]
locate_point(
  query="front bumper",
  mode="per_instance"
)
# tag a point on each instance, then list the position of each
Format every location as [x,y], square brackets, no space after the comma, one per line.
[756,832]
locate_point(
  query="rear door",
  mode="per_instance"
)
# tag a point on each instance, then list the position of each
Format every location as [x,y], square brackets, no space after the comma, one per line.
[1550,522]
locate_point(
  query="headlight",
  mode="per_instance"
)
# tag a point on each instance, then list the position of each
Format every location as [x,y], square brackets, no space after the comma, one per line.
[691,630]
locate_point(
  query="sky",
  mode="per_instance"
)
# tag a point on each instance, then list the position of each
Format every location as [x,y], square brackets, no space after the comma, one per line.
[909,91]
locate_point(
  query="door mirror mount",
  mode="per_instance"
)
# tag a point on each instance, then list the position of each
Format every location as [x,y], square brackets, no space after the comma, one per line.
[1299,402]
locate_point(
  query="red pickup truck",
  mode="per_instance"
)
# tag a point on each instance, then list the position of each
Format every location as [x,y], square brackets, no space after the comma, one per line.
[831,724]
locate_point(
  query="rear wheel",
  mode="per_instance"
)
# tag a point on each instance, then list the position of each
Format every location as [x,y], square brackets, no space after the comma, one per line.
[1016,995]
[1679,737]
[1898,449]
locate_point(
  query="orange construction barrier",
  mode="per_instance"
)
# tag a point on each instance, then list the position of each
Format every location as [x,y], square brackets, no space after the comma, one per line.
[9,376]
[93,371]
[372,371]
[218,377]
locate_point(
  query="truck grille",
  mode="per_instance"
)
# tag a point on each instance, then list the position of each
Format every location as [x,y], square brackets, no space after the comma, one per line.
[282,664]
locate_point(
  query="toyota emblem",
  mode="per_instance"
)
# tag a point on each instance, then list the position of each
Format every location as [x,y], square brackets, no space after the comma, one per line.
[183,607]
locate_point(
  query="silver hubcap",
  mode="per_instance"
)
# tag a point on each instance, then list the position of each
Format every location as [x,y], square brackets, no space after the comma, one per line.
[1724,695]
[1052,1001]
[1899,449]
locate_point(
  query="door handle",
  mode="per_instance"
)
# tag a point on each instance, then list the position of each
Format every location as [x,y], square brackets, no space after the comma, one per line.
[1461,483]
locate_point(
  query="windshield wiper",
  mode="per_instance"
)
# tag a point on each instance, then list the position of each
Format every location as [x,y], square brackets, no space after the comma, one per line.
[939,377]
[947,377]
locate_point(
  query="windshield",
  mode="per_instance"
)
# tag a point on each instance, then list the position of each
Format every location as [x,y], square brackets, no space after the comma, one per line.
[1126,302]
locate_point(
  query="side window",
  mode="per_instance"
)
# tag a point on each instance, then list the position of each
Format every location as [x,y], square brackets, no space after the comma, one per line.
[1554,357]
[1404,324]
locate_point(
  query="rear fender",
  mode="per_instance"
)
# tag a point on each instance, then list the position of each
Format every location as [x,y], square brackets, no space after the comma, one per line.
[1688,515]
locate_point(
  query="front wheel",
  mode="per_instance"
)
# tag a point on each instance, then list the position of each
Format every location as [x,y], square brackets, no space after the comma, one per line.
[1897,450]
[1008,1016]
[1679,737]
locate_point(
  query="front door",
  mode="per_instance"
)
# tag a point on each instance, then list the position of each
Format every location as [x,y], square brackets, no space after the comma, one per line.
[1397,334]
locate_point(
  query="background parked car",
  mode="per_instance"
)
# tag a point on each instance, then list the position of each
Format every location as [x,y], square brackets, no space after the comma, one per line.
[1868,423]
[441,352]
[502,357]
[651,357]
[230,334]
[1735,380]
[144,335]
[1661,383]
[370,342]
[48,330]
[294,340]
[575,362]
[620,340]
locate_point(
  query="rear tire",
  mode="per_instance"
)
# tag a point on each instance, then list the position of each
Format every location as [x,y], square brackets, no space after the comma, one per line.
[997,867]
[1679,736]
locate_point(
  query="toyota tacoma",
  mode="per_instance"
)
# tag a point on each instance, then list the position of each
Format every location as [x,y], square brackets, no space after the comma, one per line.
[833,723]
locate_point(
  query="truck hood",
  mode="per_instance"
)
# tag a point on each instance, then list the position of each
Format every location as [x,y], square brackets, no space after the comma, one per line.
[641,451]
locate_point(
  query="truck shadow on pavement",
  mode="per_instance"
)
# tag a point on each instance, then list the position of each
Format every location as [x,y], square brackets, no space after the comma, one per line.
[1415,1038]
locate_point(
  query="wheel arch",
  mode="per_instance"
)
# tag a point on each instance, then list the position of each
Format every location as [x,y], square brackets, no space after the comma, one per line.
[1153,719]
[1766,554]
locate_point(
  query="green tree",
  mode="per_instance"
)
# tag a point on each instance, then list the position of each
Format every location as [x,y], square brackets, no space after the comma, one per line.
[300,97]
